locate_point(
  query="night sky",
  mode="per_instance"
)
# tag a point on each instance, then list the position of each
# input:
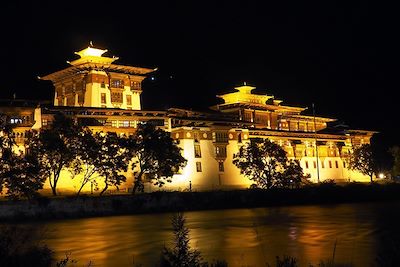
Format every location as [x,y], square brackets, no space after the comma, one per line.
[343,56]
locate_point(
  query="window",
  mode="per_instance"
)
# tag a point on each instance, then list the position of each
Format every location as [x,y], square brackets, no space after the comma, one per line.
[198,166]
[220,137]
[220,151]
[103,98]
[197,151]
[103,85]
[114,123]
[124,124]
[117,83]
[116,97]
[344,164]
[196,137]
[135,85]
[315,164]
[306,164]
[330,164]
[322,164]
[44,122]
[336,164]
[132,124]
[221,166]
[239,137]
[129,100]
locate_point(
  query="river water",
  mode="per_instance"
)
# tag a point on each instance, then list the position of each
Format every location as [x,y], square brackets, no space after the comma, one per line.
[349,233]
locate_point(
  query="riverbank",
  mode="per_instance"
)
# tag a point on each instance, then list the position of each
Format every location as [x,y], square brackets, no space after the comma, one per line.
[48,208]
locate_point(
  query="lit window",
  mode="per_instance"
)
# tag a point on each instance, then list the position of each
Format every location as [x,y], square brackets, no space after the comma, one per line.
[103,98]
[197,151]
[117,83]
[198,166]
[44,122]
[132,124]
[114,123]
[221,166]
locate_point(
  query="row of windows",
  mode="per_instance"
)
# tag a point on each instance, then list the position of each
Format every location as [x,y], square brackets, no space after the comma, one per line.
[220,151]
[116,97]
[323,164]
[220,166]
[117,83]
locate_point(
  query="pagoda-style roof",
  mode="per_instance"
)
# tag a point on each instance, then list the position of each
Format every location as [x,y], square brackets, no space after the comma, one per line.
[244,98]
[92,59]
[244,95]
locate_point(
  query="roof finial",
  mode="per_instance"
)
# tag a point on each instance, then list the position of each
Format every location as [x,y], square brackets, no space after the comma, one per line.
[90,43]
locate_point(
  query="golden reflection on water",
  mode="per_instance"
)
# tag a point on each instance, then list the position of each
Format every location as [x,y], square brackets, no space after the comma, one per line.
[242,237]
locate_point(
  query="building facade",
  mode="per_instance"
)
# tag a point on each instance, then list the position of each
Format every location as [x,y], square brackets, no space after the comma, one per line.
[106,97]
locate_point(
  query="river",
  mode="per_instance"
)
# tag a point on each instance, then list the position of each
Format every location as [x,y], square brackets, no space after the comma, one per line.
[354,233]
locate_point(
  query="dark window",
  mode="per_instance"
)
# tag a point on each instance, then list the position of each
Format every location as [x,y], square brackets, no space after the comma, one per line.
[336,164]
[315,165]
[198,166]
[129,100]
[330,164]
[344,164]
[306,164]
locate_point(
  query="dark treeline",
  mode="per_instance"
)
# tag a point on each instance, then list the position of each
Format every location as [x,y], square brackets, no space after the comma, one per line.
[65,145]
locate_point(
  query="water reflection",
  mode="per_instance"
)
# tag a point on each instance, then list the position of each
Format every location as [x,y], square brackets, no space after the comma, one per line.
[243,237]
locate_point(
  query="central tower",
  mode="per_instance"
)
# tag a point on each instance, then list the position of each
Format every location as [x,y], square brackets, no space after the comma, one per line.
[93,80]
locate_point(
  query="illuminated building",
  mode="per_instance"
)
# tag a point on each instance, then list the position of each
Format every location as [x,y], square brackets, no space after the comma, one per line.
[106,97]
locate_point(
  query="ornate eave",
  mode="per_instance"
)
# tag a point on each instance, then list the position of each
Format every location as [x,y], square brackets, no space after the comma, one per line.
[308,118]
[86,67]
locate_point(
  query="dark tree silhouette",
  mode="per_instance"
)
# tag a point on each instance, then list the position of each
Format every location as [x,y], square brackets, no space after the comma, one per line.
[56,147]
[362,160]
[181,254]
[88,157]
[113,160]
[266,163]
[20,173]
[155,154]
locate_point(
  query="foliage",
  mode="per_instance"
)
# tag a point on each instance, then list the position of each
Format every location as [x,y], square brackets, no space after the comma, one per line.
[266,163]
[395,151]
[20,173]
[113,159]
[88,157]
[20,246]
[56,147]
[292,176]
[157,156]
[362,160]
[181,255]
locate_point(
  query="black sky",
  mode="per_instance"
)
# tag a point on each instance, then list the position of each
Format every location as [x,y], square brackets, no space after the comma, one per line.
[342,56]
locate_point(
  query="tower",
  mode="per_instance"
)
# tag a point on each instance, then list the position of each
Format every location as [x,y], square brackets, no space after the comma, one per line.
[93,80]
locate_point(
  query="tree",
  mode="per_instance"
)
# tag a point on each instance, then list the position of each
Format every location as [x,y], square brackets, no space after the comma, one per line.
[156,154]
[263,162]
[56,147]
[20,173]
[362,160]
[88,157]
[181,255]
[292,176]
[114,159]
[395,151]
